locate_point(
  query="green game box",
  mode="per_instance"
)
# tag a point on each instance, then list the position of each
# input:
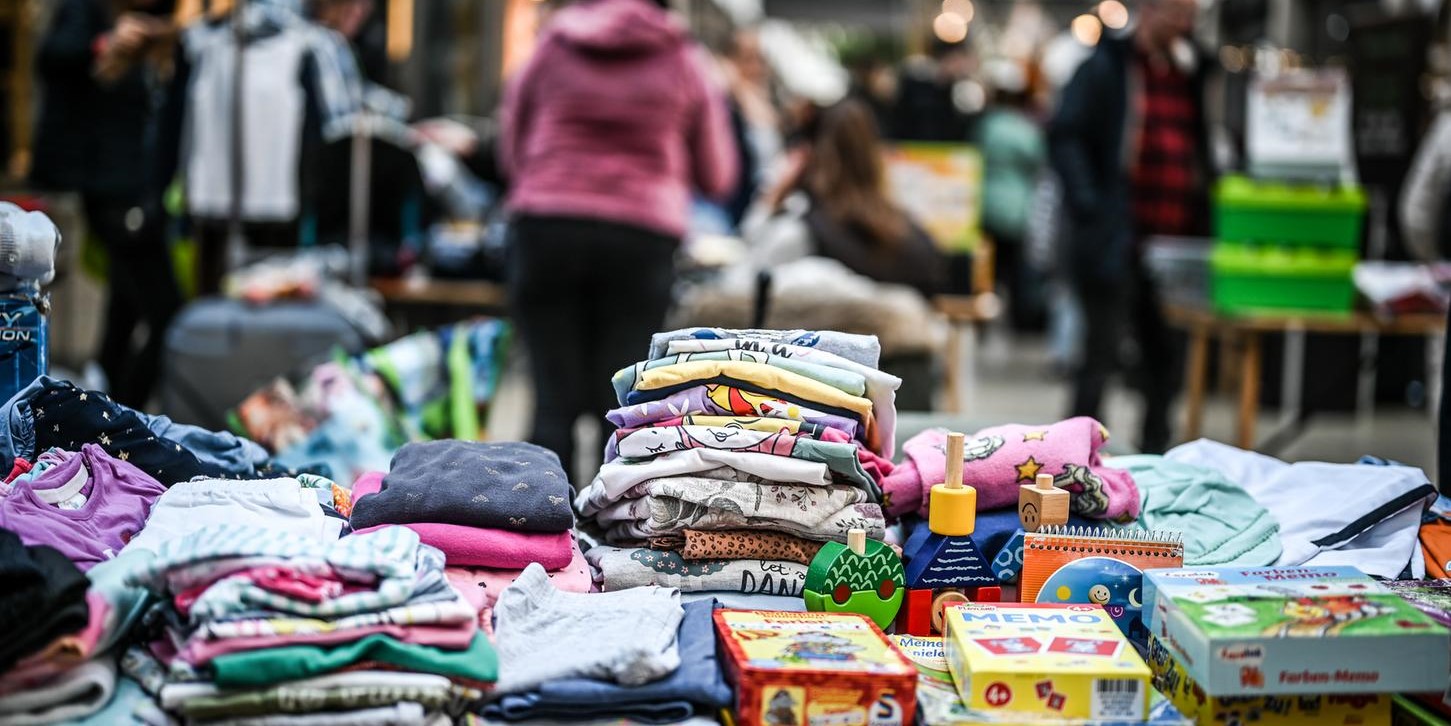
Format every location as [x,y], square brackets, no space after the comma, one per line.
[1248,631]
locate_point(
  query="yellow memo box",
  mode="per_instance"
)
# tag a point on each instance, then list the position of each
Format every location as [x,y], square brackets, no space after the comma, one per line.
[1066,661]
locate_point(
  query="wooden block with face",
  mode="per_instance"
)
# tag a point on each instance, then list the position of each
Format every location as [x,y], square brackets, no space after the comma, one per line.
[1041,504]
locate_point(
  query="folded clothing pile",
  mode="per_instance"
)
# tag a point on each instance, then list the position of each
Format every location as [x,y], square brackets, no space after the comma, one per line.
[261,622]
[999,460]
[649,660]
[491,508]
[737,454]
[51,627]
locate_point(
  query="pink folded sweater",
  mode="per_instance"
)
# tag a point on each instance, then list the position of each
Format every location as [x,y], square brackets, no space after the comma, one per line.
[481,587]
[997,461]
[448,637]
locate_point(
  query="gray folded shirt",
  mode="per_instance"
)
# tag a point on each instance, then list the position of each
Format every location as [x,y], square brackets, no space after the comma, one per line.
[510,485]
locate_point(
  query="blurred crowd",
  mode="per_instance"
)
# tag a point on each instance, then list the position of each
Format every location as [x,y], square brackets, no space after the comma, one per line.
[618,140]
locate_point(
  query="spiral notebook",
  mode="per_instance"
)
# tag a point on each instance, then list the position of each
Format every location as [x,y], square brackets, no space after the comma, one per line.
[1097,565]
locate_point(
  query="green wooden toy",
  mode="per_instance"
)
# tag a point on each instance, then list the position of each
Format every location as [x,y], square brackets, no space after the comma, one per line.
[863,576]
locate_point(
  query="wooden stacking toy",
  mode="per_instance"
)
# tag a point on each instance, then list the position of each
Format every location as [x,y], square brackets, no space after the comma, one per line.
[863,576]
[944,566]
[1042,504]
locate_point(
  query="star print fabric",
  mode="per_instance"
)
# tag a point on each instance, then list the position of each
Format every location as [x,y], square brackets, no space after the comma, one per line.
[67,417]
[508,485]
[997,461]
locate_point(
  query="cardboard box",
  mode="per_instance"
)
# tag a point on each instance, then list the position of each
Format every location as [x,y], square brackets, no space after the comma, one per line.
[815,669]
[1259,631]
[1170,678]
[1063,661]
[938,703]
[1205,582]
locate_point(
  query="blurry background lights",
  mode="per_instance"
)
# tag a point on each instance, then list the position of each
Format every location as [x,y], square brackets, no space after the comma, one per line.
[961,8]
[1087,29]
[1113,14]
[950,28]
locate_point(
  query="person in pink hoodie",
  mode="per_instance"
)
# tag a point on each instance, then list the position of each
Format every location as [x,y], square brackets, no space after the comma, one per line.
[606,133]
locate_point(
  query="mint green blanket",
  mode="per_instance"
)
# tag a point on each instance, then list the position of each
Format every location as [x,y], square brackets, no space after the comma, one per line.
[1221,523]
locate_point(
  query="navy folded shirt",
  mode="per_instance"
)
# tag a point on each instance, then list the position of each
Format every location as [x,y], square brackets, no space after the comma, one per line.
[509,485]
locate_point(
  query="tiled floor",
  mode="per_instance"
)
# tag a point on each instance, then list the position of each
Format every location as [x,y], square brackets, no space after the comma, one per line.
[1014,383]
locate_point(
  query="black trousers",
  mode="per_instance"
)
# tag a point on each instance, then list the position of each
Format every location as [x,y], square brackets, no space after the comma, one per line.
[1128,311]
[143,289]
[585,296]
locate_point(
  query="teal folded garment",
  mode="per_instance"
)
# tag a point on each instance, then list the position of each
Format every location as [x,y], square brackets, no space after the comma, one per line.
[266,666]
[1221,523]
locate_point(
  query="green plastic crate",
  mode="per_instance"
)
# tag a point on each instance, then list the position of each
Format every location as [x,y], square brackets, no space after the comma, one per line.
[1246,210]
[1250,277]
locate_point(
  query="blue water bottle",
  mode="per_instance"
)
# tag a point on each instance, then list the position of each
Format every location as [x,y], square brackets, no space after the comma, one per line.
[28,242]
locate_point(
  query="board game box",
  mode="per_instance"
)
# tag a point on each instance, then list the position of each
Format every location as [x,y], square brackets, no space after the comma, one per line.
[1307,709]
[1432,597]
[1207,582]
[938,703]
[815,669]
[1251,632]
[1064,661]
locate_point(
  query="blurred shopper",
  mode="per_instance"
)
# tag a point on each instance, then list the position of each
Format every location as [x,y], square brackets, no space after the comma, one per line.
[100,66]
[1426,199]
[756,122]
[925,109]
[354,20]
[832,202]
[1013,154]
[604,133]
[1129,142]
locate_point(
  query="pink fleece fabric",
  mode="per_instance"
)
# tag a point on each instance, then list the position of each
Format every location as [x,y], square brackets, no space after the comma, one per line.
[997,461]
[497,548]
[481,587]
[481,547]
[614,117]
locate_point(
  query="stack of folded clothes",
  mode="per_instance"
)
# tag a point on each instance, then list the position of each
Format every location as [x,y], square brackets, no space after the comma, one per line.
[738,454]
[54,626]
[492,509]
[648,660]
[73,678]
[264,623]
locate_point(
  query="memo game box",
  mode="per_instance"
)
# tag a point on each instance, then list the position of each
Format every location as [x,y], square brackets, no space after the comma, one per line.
[815,669]
[1067,661]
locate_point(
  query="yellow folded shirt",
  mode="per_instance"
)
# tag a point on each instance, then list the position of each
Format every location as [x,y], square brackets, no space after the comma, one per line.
[766,378]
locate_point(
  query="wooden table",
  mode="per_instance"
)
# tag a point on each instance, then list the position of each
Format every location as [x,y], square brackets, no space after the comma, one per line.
[964,313]
[427,291]
[1246,331]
